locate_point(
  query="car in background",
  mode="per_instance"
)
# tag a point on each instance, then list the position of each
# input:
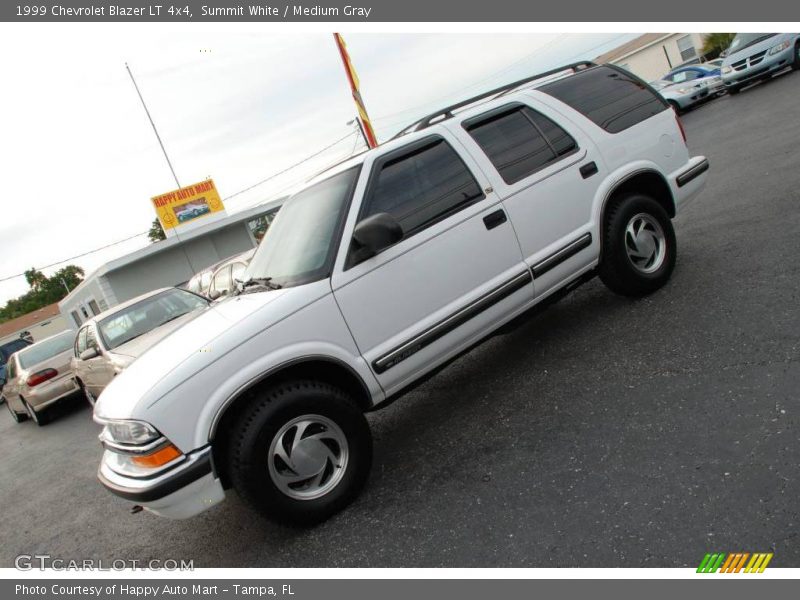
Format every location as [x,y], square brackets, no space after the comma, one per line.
[226,275]
[705,73]
[190,212]
[39,375]
[108,343]
[753,57]
[6,350]
[681,96]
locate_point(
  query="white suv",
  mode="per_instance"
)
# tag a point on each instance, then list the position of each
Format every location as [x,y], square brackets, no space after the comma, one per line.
[384,269]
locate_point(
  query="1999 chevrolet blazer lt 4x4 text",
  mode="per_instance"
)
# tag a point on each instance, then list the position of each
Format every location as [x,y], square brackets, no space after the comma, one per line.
[385,268]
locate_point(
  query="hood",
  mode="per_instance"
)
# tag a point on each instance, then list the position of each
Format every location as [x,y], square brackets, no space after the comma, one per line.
[198,343]
[136,347]
[761,46]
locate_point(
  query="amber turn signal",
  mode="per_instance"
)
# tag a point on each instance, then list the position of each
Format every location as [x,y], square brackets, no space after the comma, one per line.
[156,459]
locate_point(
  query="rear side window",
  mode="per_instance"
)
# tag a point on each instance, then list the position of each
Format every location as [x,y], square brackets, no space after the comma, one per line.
[421,185]
[519,141]
[614,100]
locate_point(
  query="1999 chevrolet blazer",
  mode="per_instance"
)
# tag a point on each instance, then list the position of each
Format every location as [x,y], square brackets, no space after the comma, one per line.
[385,268]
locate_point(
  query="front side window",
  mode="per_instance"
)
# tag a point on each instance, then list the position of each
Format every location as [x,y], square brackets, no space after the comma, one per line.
[301,242]
[421,186]
[146,315]
[80,342]
[222,280]
[519,141]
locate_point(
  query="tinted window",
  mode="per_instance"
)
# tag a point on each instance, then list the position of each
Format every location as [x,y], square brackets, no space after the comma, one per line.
[614,100]
[421,186]
[8,349]
[45,349]
[519,141]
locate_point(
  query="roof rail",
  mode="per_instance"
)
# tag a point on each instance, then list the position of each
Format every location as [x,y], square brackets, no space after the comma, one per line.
[447,112]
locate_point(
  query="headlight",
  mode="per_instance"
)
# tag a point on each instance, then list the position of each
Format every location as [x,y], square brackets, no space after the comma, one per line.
[137,449]
[780,47]
[684,90]
[726,70]
[129,433]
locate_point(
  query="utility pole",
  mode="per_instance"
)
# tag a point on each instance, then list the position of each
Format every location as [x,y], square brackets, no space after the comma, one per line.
[158,137]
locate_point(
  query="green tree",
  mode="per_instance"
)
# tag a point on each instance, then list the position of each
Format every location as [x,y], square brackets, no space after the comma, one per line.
[714,43]
[156,233]
[44,290]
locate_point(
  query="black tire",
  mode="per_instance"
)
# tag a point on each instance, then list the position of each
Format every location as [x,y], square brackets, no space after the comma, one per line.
[796,61]
[255,471]
[618,268]
[18,418]
[733,90]
[40,417]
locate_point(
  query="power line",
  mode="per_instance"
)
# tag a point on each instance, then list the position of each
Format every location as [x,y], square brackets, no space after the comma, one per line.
[290,167]
[61,262]
[127,239]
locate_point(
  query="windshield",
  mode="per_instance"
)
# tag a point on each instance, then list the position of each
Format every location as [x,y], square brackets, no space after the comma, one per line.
[743,40]
[8,349]
[300,244]
[46,349]
[147,315]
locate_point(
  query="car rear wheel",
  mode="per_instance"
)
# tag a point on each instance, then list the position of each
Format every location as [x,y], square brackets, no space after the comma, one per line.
[796,61]
[18,418]
[37,417]
[639,246]
[734,89]
[300,452]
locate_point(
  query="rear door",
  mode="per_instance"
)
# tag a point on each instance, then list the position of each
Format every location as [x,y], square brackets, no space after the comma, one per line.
[456,272]
[546,171]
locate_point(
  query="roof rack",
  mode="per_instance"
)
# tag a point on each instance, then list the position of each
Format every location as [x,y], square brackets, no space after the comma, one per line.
[447,112]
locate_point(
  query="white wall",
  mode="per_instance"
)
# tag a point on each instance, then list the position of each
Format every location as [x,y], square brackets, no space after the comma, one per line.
[657,60]
[41,330]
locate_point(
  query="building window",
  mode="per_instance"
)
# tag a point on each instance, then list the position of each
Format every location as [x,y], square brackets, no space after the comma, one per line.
[85,313]
[94,307]
[76,317]
[686,48]
[258,227]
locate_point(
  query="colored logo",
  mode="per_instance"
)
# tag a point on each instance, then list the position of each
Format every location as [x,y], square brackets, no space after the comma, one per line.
[734,563]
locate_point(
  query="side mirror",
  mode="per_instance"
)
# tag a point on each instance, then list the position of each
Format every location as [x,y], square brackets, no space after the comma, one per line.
[214,294]
[373,234]
[723,54]
[89,354]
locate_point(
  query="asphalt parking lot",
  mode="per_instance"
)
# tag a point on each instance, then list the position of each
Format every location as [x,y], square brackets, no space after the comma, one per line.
[605,432]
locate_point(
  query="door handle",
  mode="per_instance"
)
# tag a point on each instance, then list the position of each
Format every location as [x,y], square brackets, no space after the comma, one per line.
[494,219]
[588,170]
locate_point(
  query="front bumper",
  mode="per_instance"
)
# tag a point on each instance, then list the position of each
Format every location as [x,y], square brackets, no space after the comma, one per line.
[766,68]
[185,490]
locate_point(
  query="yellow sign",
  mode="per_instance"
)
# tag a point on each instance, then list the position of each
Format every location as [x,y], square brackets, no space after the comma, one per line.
[187,203]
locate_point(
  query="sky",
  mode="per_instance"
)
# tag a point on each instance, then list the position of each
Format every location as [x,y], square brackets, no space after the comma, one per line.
[80,161]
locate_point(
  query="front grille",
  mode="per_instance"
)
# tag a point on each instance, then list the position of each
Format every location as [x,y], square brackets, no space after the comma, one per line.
[750,61]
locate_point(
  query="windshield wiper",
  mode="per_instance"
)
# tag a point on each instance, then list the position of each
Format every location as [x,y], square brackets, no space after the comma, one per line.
[262,282]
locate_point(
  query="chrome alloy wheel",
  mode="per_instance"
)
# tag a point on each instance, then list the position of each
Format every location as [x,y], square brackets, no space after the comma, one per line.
[308,457]
[645,243]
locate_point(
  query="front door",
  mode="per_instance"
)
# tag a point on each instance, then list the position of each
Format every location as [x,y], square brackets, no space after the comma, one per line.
[456,272]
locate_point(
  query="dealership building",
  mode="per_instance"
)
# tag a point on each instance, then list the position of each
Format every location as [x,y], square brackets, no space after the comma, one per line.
[169,262]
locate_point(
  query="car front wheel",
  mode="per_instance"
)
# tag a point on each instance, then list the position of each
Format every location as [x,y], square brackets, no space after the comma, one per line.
[639,246]
[300,452]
